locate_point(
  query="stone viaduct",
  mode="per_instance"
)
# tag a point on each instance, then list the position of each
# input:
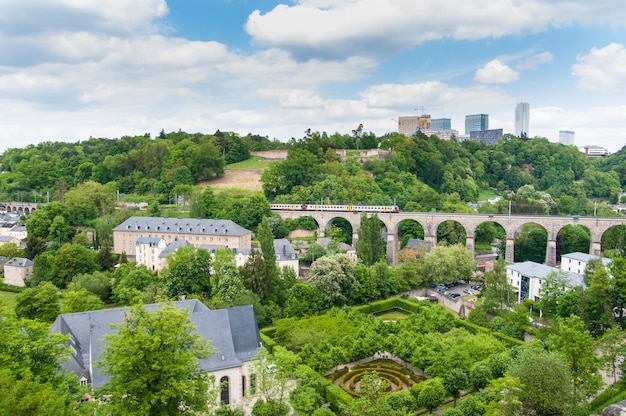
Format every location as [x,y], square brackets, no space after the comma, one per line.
[430,221]
[21,208]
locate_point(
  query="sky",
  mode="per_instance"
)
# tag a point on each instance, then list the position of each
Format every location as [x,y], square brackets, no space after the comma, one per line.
[74,69]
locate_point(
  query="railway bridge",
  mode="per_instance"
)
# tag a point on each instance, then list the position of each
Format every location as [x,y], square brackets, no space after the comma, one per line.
[430,221]
[21,208]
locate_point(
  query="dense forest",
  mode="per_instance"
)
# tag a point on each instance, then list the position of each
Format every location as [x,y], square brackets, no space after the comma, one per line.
[419,173]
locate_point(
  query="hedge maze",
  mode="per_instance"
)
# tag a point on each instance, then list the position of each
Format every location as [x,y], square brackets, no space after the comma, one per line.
[395,376]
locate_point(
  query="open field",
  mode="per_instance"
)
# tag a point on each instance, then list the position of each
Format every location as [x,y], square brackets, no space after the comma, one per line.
[248,179]
[254,162]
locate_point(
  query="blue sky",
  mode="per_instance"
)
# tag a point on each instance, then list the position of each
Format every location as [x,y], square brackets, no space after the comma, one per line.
[70,70]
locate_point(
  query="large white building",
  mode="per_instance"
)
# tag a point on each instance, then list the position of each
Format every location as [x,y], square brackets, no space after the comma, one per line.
[522,119]
[566,137]
[195,231]
[527,277]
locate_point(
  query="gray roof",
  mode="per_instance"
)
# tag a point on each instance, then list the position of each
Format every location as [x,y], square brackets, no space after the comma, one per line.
[540,271]
[152,241]
[19,262]
[585,257]
[414,242]
[284,250]
[6,238]
[173,246]
[183,226]
[233,332]
[323,241]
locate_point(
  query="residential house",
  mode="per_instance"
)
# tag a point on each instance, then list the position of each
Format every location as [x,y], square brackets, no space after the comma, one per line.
[17,270]
[286,256]
[233,332]
[350,251]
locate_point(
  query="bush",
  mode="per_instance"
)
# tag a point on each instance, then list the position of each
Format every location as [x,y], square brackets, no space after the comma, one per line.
[337,397]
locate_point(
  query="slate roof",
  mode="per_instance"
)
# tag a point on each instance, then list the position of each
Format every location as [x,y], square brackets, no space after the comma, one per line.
[284,250]
[19,262]
[233,332]
[173,246]
[540,271]
[585,257]
[414,243]
[323,241]
[152,241]
[6,238]
[183,226]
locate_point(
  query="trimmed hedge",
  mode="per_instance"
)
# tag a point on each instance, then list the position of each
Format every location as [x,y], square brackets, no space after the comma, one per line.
[8,288]
[607,398]
[390,304]
[474,329]
[319,380]
[337,398]
[268,342]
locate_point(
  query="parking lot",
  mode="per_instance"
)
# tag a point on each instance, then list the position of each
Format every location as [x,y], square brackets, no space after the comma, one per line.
[458,289]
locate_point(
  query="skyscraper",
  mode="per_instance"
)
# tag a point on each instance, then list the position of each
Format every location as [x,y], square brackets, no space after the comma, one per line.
[566,137]
[522,113]
[476,122]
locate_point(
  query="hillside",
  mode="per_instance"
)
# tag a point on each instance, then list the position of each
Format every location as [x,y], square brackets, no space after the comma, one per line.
[248,179]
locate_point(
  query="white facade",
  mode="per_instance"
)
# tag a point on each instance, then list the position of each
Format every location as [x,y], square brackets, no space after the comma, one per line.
[566,137]
[17,270]
[527,278]
[577,262]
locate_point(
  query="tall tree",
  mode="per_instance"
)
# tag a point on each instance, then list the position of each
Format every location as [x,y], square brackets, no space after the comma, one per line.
[455,381]
[152,363]
[266,241]
[188,272]
[447,264]
[370,246]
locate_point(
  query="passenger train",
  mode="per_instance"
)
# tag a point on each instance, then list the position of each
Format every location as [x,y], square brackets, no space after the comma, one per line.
[341,208]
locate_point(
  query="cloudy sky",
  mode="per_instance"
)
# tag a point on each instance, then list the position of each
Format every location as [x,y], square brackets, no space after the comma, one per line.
[71,69]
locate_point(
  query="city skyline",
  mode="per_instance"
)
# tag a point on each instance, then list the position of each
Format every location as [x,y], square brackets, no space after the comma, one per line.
[522,119]
[70,71]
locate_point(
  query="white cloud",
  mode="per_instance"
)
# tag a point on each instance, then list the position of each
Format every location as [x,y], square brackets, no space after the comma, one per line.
[602,69]
[495,72]
[337,28]
[535,61]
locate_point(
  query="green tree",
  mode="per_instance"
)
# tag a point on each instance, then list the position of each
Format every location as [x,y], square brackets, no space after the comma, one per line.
[152,364]
[370,246]
[498,294]
[188,272]
[480,375]
[432,394]
[333,278]
[553,287]
[77,299]
[266,241]
[10,250]
[544,392]
[72,260]
[612,353]
[34,246]
[447,264]
[455,381]
[40,303]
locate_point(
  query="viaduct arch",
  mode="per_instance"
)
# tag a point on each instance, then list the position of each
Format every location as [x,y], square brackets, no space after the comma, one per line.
[20,208]
[431,221]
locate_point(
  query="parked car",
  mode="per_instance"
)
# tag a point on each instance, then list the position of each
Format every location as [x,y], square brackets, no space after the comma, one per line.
[461,282]
[454,295]
[441,288]
[477,287]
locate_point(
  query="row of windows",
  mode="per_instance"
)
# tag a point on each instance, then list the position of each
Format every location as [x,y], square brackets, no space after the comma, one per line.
[225,387]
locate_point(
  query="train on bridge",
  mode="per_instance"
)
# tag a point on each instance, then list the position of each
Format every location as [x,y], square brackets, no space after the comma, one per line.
[334,208]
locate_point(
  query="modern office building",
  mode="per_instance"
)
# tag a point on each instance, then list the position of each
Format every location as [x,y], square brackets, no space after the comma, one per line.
[440,124]
[488,137]
[409,125]
[566,137]
[592,150]
[476,122]
[522,116]
[442,134]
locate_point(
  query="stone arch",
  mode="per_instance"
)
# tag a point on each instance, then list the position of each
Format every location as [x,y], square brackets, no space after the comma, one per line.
[26,211]
[613,239]
[489,241]
[409,228]
[532,241]
[342,223]
[564,243]
[453,232]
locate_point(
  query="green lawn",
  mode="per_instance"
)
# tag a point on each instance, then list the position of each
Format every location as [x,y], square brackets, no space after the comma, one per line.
[392,315]
[255,162]
[485,194]
[8,298]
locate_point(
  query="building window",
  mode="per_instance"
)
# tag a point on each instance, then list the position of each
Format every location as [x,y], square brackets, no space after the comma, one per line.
[225,393]
[243,386]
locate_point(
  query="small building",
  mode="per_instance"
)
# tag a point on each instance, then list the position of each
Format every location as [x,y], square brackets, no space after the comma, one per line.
[19,231]
[233,332]
[17,270]
[350,251]
[527,278]
[8,239]
[148,252]
[577,262]
[286,256]
[415,247]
